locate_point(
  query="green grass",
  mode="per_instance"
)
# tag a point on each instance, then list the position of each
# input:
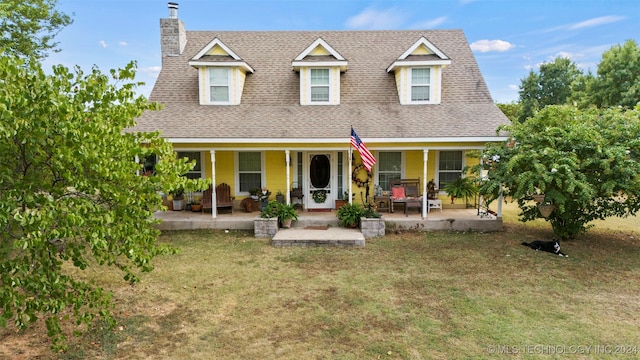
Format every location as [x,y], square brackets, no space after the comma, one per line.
[413,295]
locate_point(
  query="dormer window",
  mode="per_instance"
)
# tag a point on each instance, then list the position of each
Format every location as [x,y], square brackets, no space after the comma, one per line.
[320,67]
[221,74]
[219,85]
[320,85]
[420,84]
[418,73]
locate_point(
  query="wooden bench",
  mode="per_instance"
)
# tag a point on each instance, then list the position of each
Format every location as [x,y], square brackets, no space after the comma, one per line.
[405,191]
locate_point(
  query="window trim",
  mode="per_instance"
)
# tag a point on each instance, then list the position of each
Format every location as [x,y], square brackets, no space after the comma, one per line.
[331,86]
[208,85]
[236,171]
[402,165]
[202,170]
[438,171]
[430,85]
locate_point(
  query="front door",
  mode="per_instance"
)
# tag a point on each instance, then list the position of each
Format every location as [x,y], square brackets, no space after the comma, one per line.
[320,195]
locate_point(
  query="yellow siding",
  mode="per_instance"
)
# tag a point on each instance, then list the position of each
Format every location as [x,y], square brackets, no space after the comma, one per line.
[217,50]
[203,82]
[275,172]
[319,50]
[335,72]
[303,85]
[422,50]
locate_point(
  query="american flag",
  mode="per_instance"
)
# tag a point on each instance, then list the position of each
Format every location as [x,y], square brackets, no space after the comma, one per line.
[367,158]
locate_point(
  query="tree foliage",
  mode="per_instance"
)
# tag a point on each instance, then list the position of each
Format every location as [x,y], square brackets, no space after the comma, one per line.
[70,193]
[28,27]
[585,162]
[618,80]
[551,86]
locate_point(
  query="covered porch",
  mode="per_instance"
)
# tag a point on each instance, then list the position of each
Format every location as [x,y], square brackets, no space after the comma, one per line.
[468,219]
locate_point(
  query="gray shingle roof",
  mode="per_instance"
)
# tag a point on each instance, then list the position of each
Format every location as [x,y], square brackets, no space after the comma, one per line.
[271,107]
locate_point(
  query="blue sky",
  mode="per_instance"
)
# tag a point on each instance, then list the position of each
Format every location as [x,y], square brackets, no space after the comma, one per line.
[508,37]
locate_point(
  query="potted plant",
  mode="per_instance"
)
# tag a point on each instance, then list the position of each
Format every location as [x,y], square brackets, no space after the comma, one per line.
[254,193]
[371,222]
[280,197]
[267,224]
[196,204]
[349,215]
[461,188]
[286,214]
[178,198]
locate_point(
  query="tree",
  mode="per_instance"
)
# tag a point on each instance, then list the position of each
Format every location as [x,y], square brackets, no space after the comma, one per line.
[28,27]
[585,162]
[510,110]
[70,193]
[618,80]
[551,86]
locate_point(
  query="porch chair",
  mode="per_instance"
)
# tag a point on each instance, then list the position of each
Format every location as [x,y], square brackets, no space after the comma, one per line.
[223,197]
[405,192]
[206,199]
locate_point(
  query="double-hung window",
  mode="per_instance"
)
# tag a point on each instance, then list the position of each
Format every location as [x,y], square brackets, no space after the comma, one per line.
[319,85]
[197,171]
[449,167]
[249,171]
[420,84]
[389,168]
[219,84]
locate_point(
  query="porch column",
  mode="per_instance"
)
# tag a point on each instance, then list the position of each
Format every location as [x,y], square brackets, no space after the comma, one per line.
[287,159]
[500,202]
[425,159]
[350,167]
[214,209]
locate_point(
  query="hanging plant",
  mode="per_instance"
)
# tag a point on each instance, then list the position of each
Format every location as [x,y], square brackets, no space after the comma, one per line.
[319,196]
[355,179]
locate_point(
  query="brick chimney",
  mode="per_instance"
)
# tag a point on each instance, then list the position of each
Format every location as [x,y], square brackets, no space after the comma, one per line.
[173,37]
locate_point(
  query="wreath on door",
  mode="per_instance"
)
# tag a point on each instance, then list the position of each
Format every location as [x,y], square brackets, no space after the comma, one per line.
[356,179]
[320,196]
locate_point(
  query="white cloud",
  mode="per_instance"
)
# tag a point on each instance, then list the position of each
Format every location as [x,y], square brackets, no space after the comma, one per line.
[564,54]
[152,71]
[596,22]
[491,45]
[103,44]
[374,19]
[430,24]
[123,43]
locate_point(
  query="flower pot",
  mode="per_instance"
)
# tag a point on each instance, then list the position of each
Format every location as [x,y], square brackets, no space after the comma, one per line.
[538,198]
[196,207]
[178,205]
[341,203]
[546,209]
[286,223]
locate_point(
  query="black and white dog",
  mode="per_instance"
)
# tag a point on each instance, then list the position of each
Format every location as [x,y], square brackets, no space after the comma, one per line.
[552,246]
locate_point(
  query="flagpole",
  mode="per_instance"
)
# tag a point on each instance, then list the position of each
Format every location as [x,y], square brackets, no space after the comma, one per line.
[350,167]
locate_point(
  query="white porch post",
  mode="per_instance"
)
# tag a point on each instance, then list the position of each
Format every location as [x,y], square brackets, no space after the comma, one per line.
[287,160]
[214,209]
[425,201]
[350,167]
[500,202]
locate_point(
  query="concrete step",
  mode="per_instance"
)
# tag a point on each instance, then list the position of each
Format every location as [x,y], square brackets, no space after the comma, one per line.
[318,235]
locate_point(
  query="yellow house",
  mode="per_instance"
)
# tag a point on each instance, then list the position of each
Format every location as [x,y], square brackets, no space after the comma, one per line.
[276,108]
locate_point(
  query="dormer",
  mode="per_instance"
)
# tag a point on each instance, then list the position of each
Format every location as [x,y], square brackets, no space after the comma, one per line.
[418,73]
[320,67]
[221,74]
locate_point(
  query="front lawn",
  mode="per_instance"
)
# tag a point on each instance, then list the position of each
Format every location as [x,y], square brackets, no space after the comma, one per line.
[435,295]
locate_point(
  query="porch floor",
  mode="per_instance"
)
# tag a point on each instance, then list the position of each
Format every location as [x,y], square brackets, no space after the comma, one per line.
[448,219]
